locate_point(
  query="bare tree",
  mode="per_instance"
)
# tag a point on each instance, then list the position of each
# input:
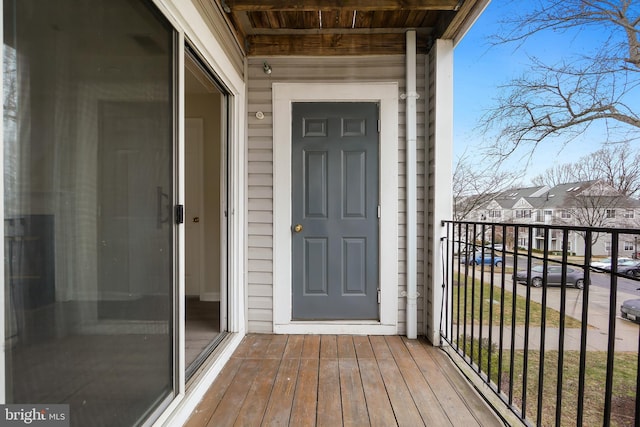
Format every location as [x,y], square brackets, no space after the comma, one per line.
[595,205]
[618,166]
[567,98]
[557,175]
[474,186]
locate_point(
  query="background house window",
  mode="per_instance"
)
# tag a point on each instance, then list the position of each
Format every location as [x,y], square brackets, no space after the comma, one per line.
[610,213]
[548,213]
[628,246]
[523,213]
[629,214]
[495,213]
[564,214]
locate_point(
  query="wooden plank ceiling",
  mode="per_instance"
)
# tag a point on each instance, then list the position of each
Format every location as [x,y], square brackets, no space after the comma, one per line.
[341,27]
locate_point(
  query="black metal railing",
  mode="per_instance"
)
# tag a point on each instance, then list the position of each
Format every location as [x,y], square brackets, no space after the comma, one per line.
[530,314]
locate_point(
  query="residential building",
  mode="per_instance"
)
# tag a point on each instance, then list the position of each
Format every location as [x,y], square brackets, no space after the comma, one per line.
[166,158]
[577,204]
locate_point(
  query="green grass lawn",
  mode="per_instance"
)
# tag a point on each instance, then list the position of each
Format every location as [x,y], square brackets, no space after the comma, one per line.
[623,396]
[489,299]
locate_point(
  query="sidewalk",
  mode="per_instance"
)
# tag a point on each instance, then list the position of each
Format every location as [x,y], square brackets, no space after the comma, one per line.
[597,340]
[626,332]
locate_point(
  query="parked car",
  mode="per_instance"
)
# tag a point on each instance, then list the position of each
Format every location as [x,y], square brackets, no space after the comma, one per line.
[630,310]
[630,270]
[575,276]
[605,263]
[624,263]
[487,258]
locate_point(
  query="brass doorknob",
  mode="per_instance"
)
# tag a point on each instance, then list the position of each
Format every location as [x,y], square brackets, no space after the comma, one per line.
[297,228]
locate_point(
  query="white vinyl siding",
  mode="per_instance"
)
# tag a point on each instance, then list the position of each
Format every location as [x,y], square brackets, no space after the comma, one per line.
[260,166]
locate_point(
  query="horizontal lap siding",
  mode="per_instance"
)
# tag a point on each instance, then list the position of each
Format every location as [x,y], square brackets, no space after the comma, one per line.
[260,165]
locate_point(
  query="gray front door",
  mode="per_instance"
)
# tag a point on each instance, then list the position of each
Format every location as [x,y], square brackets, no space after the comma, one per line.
[335,211]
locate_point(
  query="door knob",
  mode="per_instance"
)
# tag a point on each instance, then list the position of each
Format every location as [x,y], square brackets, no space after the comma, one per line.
[297,228]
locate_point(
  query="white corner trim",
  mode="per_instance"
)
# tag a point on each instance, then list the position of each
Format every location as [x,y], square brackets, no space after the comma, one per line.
[443,161]
[284,94]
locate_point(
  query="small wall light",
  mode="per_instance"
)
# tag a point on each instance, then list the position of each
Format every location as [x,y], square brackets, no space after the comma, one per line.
[266,68]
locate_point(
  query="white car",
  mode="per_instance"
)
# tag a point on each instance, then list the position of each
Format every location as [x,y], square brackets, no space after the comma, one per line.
[605,263]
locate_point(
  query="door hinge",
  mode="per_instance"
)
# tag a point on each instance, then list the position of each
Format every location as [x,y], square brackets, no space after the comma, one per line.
[378,125]
[379,211]
[379,298]
[179,214]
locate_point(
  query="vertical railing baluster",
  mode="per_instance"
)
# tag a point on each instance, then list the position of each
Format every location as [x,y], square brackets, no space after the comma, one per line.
[543,326]
[563,312]
[491,283]
[466,282]
[516,232]
[457,336]
[527,317]
[473,294]
[501,339]
[613,307]
[584,326]
[447,256]
[481,299]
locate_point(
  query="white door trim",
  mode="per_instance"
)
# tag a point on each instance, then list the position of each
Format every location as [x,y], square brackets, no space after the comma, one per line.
[284,94]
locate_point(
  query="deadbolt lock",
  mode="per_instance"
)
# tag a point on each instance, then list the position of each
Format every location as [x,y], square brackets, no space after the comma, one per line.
[196,219]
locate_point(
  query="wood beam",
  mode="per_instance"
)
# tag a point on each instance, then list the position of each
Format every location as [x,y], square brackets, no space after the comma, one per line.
[329,44]
[360,5]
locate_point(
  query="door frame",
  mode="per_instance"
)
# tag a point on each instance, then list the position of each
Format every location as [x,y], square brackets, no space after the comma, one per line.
[386,94]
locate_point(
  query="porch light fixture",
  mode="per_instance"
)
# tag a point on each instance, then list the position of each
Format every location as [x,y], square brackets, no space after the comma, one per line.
[266,68]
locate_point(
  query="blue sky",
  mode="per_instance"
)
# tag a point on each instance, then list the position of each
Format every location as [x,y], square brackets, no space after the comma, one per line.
[479,70]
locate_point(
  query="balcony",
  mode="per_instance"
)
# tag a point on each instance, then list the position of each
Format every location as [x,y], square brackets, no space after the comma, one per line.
[541,334]
[345,380]
[554,352]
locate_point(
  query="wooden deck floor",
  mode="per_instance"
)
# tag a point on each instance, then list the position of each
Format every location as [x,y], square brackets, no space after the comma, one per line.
[328,380]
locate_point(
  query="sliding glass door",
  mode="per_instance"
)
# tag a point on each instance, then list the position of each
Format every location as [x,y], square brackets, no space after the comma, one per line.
[89,133]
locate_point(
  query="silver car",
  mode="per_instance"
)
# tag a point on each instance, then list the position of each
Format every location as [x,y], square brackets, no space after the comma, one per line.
[574,276]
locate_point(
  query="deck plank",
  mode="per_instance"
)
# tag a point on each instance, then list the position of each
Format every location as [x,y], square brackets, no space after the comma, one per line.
[204,410]
[401,401]
[328,347]
[425,399]
[276,347]
[380,348]
[311,347]
[256,347]
[354,405]
[303,412]
[233,399]
[255,404]
[363,347]
[346,349]
[447,394]
[294,347]
[329,400]
[278,410]
[379,407]
[329,380]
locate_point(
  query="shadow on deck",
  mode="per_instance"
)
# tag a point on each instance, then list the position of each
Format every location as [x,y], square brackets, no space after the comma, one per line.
[329,380]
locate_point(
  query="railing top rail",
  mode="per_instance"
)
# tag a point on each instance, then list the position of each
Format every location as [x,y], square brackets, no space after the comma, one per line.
[548,226]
